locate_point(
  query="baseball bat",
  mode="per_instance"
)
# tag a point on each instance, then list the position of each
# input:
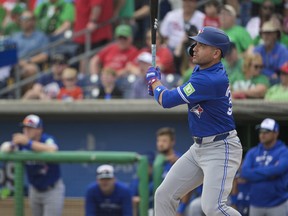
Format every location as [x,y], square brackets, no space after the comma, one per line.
[154,26]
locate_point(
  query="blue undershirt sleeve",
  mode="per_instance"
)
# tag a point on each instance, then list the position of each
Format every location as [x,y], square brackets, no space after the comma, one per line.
[171,98]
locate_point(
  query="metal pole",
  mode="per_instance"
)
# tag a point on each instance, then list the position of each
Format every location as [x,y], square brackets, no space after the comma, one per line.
[19,182]
[143,185]
[87,50]
[17,80]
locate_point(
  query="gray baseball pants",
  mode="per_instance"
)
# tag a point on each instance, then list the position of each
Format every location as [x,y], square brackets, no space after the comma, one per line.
[48,203]
[271,211]
[214,164]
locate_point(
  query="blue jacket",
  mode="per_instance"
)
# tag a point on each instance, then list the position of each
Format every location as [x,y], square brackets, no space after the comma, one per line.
[119,203]
[267,171]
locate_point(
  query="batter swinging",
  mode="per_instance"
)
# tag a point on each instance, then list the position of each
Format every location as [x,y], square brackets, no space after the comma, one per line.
[216,154]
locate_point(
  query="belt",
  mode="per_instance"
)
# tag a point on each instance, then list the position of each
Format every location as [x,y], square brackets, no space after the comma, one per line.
[209,139]
[50,187]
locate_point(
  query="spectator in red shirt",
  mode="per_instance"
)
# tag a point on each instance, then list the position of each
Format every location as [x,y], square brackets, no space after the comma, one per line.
[117,54]
[164,56]
[90,13]
[212,10]
[71,91]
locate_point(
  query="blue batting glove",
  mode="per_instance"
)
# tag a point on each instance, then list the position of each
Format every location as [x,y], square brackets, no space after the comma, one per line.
[150,90]
[153,74]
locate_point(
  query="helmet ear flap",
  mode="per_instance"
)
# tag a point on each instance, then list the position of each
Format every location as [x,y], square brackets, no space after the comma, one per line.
[190,49]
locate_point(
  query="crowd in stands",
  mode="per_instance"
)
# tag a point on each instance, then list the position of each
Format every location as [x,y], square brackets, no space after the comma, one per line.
[111,60]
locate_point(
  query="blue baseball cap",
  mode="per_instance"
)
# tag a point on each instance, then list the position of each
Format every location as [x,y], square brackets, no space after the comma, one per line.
[32,121]
[213,37]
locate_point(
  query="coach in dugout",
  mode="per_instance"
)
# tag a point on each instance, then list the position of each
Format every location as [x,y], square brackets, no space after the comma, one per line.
[265,167]
[46,190]
[107,196]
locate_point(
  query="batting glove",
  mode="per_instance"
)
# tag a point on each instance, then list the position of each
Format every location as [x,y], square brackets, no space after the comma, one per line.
[152,75]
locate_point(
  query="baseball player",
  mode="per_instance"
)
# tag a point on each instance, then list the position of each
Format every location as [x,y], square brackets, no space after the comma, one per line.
[265,167]
[46,190]
[216,154]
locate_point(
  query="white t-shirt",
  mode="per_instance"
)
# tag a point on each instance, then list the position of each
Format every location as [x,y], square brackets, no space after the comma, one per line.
[253,27]
[172,26]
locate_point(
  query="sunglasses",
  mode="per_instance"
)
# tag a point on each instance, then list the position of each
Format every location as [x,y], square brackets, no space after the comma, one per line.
[268,8]
[122,38]
[258,67]
[69,79]
[26,18]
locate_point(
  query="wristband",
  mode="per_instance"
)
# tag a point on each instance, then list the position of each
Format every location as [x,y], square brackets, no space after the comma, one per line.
[181,207]
[29,145]
[157,92]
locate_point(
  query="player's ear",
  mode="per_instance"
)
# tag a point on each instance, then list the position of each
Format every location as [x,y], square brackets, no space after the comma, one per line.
[217,53]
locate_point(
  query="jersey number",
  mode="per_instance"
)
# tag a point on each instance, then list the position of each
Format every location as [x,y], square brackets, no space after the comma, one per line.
[228,94]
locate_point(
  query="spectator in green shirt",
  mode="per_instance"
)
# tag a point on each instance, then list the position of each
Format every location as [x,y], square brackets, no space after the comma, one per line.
[236,33]
[54,17]
[279,92]
[10,20]
[251,83]
[233,63]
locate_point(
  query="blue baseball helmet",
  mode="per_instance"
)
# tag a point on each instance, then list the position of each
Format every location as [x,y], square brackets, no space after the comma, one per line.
[213,37]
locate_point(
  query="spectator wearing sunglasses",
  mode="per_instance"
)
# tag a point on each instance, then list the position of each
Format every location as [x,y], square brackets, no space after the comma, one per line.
[250,83]
[117,54]
[29,40]
[273,52]
[71,91]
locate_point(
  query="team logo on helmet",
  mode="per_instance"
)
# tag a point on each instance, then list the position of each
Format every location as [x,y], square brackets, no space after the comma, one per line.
[197,110]
[200,31]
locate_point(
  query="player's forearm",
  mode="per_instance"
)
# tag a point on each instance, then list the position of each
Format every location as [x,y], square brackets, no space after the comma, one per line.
[40,147]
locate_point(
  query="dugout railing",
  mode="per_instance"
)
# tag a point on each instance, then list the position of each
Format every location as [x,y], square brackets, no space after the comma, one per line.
[19,158]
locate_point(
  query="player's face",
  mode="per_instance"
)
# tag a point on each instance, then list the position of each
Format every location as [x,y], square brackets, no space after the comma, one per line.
[164,144]
[205,56]
[106,185]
